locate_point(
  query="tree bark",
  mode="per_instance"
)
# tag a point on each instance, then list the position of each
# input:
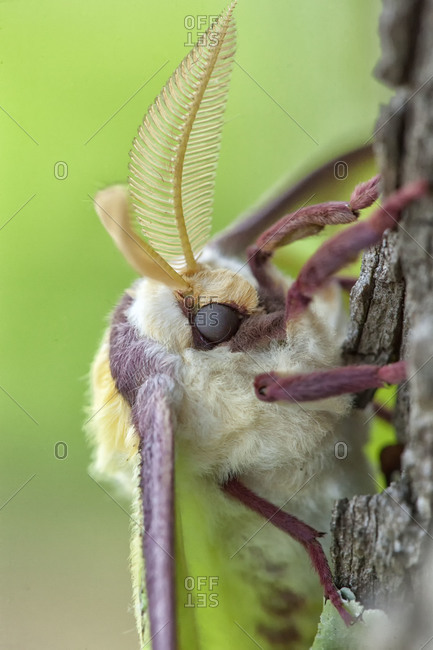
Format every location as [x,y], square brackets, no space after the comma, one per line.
[381,541]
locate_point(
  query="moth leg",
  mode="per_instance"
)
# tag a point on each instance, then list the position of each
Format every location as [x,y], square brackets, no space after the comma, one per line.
[313,218]
[304,222]
[345,246]
[310,386]
[338,381]
[299,531]
[234,241]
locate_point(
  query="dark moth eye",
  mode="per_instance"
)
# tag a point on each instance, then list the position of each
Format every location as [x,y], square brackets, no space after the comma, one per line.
[216,322]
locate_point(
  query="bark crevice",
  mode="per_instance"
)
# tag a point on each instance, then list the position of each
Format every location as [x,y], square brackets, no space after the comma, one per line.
[382,542]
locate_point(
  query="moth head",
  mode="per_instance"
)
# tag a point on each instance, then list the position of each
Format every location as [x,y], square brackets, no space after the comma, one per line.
[172,170]
[205,315]
[220,300]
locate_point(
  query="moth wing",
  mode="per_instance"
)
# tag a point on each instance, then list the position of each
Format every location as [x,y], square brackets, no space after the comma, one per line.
[153,415]
[112,428]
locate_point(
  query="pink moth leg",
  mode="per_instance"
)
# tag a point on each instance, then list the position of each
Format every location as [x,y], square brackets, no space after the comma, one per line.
[331,257]
[298,530]
[345,247]
[305,222]
[310,386]
[315,274]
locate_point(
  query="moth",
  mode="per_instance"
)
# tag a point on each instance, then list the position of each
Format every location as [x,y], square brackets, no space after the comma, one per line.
[218,389]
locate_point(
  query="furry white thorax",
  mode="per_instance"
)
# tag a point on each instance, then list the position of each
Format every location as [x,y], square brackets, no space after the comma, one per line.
[223,429]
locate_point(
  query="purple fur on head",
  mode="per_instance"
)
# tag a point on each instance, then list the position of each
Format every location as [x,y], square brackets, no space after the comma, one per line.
[133,357]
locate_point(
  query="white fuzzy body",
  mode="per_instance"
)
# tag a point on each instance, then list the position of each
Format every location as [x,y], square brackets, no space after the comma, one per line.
[301,457]
[225,430]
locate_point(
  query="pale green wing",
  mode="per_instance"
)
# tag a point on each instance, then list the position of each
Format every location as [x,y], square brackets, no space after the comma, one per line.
[227,596]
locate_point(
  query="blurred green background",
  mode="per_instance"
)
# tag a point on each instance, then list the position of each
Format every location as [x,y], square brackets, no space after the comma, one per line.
[76,80]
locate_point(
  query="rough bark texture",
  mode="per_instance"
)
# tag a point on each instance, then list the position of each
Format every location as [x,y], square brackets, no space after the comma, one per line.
[381,541]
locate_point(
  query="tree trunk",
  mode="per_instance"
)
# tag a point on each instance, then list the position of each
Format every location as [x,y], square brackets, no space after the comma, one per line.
[381,541]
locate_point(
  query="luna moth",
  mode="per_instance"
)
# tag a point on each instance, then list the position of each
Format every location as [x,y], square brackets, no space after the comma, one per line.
[219,383]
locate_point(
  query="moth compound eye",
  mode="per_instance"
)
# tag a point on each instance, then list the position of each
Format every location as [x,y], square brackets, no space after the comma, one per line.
[217,323]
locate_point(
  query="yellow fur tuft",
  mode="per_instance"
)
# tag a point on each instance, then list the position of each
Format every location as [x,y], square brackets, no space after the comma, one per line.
[109,427]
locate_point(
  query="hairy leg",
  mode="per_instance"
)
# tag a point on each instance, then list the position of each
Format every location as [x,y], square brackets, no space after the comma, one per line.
[235,240]
[298,530]
[310,386]
[304,222]
[330,257]
[345,246]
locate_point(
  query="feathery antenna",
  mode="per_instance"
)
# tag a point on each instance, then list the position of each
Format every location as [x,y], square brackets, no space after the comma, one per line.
[175,154]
